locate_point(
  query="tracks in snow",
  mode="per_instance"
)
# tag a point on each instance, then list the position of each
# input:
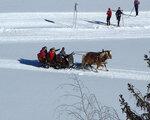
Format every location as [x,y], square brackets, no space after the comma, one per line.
[113,73]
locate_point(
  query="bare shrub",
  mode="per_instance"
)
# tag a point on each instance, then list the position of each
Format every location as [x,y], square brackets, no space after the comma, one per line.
[86,106]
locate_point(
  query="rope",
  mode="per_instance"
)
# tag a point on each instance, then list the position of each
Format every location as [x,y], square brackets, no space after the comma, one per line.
[122,20]
[132,10]
[80,52]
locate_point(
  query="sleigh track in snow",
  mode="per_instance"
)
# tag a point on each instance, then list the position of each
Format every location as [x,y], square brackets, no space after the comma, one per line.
[112,73]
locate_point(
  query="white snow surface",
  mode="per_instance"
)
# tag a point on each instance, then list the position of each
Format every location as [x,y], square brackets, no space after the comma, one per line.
[28,92]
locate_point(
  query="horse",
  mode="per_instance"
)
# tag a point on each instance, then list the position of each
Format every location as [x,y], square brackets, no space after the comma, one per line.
[96,58]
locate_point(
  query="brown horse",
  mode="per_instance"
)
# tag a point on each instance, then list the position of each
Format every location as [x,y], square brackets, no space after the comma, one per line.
[96,58]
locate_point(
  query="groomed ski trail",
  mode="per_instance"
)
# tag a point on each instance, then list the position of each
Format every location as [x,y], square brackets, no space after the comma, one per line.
[112,73]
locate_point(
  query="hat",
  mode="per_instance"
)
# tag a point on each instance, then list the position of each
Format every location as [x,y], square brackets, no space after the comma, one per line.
[53,48]
[44,48]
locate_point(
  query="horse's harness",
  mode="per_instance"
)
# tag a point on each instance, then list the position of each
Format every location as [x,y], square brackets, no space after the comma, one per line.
[98,55]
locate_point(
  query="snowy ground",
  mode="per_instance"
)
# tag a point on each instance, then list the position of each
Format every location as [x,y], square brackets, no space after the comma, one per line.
[28,92]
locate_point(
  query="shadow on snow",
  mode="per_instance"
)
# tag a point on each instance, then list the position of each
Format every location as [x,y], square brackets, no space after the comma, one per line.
[34,63]
[98,22]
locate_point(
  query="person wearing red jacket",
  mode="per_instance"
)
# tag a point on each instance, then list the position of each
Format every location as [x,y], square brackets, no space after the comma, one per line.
[109,14]
[52,56]
[42,55]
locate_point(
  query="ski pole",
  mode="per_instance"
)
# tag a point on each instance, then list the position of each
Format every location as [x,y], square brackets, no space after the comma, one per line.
[75,15]
[132,10]
[76,19]
[122,20]
[73,18]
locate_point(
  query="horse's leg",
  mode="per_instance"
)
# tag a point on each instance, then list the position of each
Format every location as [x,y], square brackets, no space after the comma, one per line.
[91,67]
[83,62]
[101,67]
[83,66]
[98,65]
[105,67]
[87,66]
[101,64]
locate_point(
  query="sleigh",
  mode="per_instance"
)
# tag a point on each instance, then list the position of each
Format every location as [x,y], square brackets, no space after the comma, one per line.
[59,63]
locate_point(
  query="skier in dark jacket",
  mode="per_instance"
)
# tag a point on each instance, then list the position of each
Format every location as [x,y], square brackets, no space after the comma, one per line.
[136,6]
[109,14]
[118,15]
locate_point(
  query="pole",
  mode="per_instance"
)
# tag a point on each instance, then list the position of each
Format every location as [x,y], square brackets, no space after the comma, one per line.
[75,15]
[122,20]
[132,10]
[73,18]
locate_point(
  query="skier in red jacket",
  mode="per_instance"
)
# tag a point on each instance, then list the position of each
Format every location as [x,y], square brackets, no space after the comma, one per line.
[109,14]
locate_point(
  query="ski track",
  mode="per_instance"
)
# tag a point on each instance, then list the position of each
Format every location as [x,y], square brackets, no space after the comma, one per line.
[112,73]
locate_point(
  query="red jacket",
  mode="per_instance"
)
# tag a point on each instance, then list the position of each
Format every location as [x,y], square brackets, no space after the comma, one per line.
[109,13]
[42,54]
[51,55]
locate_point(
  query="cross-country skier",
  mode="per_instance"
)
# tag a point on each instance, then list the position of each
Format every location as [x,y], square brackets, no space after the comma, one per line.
[147,59]
[109,14]
[118,16]
[136,6]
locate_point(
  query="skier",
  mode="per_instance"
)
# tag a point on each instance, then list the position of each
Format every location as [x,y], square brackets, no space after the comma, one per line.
[136,6]
[147,59]
[109,14]
[118,15]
